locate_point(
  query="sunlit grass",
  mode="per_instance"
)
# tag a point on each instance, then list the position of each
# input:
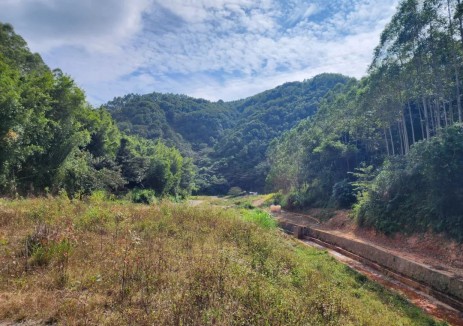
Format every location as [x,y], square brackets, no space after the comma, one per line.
[115,263]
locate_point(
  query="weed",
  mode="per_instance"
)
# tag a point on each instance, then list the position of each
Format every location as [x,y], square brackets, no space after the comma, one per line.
[143,196]
[118,263]
[261,218]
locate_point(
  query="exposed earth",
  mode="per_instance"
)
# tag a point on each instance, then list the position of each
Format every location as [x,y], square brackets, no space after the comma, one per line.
[431,249]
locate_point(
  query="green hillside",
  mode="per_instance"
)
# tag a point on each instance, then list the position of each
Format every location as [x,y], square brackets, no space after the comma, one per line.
[229,140]
[179,120]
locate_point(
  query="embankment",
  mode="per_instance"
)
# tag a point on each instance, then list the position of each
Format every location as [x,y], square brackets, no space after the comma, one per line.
[444,285]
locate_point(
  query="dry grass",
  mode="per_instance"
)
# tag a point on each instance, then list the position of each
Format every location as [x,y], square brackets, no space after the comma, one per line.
[107,263]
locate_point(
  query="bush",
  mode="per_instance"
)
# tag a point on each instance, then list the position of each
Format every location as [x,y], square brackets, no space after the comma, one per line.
[235,191]
[276,199]
[261,218]
[246,204]
[45,246]
[143,196]
[98,196]
[304,198]
[343,195]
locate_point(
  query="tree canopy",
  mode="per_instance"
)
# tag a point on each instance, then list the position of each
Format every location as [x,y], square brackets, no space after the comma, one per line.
[51,139]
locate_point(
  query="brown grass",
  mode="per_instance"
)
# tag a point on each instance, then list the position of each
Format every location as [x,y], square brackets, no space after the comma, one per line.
[107,263]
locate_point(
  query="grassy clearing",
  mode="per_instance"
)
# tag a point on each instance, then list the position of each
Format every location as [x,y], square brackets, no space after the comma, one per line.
[107,263]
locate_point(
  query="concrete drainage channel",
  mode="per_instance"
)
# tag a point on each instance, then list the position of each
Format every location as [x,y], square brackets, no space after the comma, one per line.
[439,293]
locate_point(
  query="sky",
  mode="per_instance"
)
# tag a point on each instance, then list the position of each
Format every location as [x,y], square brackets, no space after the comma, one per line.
[212,49]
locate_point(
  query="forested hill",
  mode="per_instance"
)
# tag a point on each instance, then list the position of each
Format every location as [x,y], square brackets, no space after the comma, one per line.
[228,139]
[242,151]
[180,120]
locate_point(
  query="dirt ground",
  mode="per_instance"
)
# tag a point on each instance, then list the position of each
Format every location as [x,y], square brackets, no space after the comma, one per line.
[430,249]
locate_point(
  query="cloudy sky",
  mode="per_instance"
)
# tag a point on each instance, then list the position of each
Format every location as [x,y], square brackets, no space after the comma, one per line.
[213,49]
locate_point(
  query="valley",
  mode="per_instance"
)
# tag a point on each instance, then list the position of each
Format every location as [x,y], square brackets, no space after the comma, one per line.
[153,208]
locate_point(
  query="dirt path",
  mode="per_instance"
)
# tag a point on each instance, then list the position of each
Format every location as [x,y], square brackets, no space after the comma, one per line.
[258,202]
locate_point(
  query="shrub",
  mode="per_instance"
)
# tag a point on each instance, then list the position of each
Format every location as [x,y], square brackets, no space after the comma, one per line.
[98,196]
[298,199]
[94,219]
[261,218]
[244,204]
[276,199]
[45,246]
[235,191]
[343,195]
[143,196]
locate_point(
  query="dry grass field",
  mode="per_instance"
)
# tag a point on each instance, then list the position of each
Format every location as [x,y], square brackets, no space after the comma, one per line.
[100,262]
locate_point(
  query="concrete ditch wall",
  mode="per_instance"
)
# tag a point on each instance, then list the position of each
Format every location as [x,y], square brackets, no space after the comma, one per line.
[439,280]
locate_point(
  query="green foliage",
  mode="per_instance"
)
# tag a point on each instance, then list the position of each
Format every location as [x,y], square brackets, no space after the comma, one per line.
[235,191]
[420,191]
[244,203]
[52,252]
[146,164]
[98,197]
[275,199]
[179,120]
[307,196]
[228,141]
[40,127]
[143,196]
[343,194]
[260,218]
[105,135]
[307,161]
[15,52]
[411,95]
[45,246]
[52,140]
[79,176]
[242,151]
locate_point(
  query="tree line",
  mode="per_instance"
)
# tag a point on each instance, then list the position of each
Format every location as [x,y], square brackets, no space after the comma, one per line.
[52,140]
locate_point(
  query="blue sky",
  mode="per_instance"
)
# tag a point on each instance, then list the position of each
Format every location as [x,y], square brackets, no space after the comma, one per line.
[213,49]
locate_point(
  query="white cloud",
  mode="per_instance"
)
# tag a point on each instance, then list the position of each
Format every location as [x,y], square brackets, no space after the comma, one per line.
[94,25]
[215,49]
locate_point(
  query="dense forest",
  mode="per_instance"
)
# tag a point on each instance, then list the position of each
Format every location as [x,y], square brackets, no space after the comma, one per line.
[227,140]
[52,140]
[390,144]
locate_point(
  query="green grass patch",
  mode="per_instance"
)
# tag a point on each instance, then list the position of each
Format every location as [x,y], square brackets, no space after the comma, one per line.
[259,217]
